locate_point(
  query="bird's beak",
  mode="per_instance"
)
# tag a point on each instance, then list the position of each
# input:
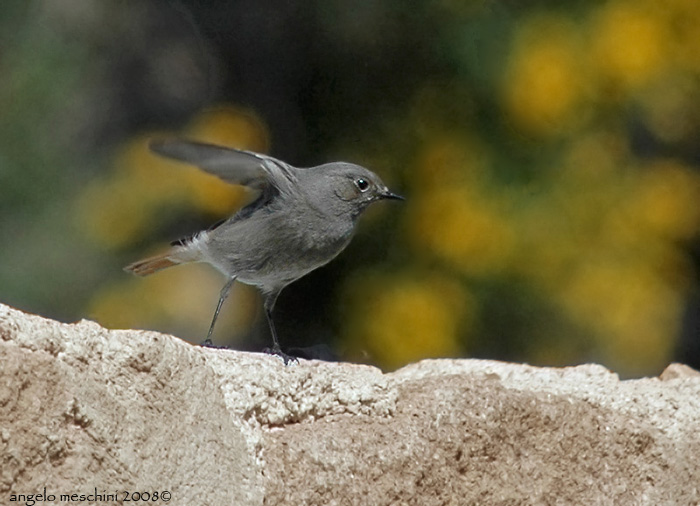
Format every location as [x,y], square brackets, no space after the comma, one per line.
[386,194]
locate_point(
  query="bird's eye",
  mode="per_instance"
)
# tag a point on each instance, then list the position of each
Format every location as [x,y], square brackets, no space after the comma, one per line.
[362,184]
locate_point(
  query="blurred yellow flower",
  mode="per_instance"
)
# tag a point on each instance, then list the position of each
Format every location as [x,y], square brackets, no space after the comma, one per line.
[669,108]
[682,19]
[543,83]
[629,43]
[135,164]
[463,228]
[666,200]
[592,157]
[630,310]
[229,125]
[400,319]
[209,194]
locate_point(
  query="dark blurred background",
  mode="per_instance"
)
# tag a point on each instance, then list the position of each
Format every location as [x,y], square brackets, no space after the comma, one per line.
[549,153]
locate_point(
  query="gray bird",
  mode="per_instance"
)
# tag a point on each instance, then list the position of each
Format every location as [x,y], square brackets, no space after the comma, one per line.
[300,219]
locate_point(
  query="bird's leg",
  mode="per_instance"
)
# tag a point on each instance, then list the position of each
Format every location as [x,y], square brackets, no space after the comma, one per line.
[222,297]
[276,349]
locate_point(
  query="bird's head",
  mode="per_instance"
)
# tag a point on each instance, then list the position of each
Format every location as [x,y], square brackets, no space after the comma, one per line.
[350,188]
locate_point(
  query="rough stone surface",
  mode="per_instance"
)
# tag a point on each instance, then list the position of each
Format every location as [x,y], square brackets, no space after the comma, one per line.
[85,408]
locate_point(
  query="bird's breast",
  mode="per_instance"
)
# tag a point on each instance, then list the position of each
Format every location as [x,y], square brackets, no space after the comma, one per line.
[277,250]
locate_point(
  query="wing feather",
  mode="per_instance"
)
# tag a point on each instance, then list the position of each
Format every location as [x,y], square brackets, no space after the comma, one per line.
[234,166]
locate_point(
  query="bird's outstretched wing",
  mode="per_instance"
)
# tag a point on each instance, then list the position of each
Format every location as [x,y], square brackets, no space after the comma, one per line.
[234,166]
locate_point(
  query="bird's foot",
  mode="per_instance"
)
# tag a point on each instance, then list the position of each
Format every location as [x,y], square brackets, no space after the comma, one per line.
[276,350]
[207,343]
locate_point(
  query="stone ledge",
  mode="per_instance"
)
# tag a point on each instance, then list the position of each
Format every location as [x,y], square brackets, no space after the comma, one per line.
[83,407]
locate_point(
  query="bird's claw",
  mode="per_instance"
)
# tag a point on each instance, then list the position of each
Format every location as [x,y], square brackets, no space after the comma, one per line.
[277,351]
[207,343]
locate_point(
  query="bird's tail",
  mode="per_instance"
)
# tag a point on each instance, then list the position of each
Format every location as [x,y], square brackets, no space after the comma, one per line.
[182,252]
[176,256]
[152,264]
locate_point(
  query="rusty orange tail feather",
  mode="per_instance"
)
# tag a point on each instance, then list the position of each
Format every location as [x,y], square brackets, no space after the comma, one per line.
[150,265]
